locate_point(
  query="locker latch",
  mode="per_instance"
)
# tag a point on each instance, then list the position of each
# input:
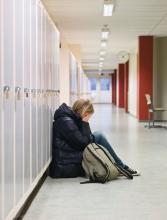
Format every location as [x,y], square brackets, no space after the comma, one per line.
[57,92]
[7,91]
[18,95]
[26,91]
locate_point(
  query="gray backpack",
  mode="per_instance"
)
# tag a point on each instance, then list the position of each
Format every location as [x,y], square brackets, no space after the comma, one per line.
[99,165]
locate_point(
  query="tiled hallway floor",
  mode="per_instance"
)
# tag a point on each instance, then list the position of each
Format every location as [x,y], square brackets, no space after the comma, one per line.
[143,198]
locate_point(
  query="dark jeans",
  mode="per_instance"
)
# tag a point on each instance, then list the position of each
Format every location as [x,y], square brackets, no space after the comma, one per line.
[102,140]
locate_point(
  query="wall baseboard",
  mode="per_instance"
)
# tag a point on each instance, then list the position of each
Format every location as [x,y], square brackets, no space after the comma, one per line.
[132,115]
[160,121]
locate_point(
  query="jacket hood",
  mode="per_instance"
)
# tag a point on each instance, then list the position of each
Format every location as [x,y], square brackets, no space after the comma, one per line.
[64,111]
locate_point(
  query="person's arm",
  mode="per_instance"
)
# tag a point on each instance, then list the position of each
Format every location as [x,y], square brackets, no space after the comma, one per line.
[86,128]
[70,132]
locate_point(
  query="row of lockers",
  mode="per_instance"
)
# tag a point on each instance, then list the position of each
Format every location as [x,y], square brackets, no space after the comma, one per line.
[29,95]
[84,85]
[79,82]
[73,79]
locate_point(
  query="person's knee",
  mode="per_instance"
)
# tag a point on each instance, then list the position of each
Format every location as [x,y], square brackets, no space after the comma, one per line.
[98,134]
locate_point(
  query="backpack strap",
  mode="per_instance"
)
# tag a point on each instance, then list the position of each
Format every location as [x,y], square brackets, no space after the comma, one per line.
[92,181]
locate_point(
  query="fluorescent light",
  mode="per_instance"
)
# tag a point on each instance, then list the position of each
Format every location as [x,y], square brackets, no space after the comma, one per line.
[108,8]
[105,32]
[103,43]
[102,52]
[101,58]
[100,64]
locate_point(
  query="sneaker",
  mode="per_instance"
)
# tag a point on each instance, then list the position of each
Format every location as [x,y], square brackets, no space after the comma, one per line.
[133,172]
[124,172]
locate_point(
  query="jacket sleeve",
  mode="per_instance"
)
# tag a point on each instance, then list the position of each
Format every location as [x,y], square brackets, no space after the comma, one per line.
[86,129]
[76,138]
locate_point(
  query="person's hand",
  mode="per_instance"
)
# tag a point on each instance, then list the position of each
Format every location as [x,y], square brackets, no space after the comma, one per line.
[86,118]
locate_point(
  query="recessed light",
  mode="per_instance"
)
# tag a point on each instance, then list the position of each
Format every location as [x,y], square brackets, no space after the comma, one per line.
[103,43]
[108,8]
[101,58]
[105,32]
[102,52]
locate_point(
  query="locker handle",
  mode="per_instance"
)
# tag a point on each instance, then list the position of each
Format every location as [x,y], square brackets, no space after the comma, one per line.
[7,91]
[17,90]
[57,92]
[26,91]
[49,92]
[52,92]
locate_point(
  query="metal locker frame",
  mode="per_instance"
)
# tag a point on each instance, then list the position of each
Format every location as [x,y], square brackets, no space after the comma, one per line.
[1,127]
[27,102]
[73,79]
[33,88]
[46,96]
[19,102]
[8,107]
[43,90]
[39,87]
[47,85]
[49,82]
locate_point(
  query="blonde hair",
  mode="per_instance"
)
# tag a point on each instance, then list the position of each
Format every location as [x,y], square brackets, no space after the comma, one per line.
[82,106]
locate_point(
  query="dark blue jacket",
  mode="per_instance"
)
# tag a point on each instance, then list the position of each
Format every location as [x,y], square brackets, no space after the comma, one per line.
[70,137]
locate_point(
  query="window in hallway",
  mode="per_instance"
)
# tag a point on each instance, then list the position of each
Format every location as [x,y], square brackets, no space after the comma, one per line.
[105,84]
[93,84]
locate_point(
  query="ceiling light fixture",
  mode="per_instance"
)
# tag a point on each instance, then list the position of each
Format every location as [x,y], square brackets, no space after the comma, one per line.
[105,32]
[108,8]
[102,53]
[101,58]
[103,43]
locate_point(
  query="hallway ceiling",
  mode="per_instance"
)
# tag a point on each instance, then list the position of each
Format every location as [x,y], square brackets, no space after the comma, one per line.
[81,21]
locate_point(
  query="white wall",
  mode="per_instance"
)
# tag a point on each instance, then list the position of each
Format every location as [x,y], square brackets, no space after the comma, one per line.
[132,95]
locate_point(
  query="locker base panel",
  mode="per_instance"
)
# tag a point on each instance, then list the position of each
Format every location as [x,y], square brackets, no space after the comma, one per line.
[21,208]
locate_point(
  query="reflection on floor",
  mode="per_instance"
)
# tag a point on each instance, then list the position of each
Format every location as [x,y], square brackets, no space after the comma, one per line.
[143,197]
